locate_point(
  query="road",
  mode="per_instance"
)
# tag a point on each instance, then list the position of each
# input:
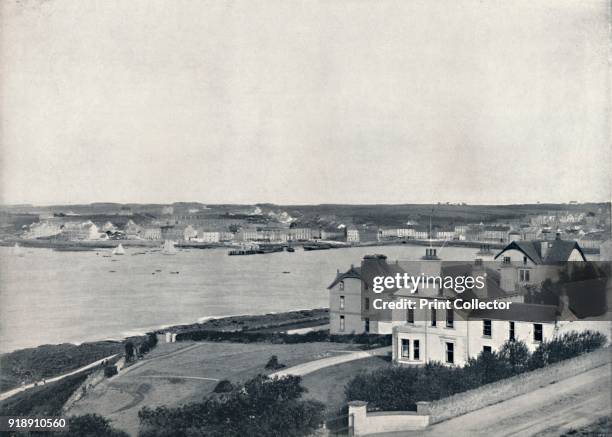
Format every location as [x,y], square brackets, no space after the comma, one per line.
[22,388]
[548,411]
[313,366]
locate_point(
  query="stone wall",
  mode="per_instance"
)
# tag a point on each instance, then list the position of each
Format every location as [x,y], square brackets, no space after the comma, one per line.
[499,391]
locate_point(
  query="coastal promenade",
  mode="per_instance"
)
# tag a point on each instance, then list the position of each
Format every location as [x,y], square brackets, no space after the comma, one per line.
[20,389]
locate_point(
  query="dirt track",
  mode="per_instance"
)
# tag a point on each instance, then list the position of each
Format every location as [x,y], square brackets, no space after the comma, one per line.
[548,411]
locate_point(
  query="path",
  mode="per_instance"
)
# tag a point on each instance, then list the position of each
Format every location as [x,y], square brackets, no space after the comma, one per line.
[548,411]
[313,366]
[22,388]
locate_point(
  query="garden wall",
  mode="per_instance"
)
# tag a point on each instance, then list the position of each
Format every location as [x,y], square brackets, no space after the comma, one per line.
[499,391]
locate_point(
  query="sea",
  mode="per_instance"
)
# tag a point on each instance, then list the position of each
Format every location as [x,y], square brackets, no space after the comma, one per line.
[51,297]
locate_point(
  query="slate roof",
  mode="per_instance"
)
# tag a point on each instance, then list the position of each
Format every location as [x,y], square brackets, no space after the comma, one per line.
[559,250]
[519,312]
[353,272]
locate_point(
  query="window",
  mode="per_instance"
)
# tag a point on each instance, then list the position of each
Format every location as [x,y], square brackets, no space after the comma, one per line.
[450,353]
[507,260]
[367,325]
[366,304]
[524,275]
[512,336]
[450,318]
[537,332]
[410,315]
[341,323]
[525,260]
[486,349]
[405,348]
[341,302]
[341,285]
[433,317]
[486,328]
[416,350]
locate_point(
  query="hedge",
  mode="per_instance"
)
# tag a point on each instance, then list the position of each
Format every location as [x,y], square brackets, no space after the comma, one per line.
[399,388]
[368,340]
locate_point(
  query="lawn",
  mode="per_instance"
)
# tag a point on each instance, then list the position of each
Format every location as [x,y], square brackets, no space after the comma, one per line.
[178,373]
[327,385]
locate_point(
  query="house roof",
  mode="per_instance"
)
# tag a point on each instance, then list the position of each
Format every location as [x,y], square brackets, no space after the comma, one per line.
[520,312]
[558,250]
[353,272]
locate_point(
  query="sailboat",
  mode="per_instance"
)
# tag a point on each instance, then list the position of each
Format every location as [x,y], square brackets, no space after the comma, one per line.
[18,251]
[168,248]
[119,250]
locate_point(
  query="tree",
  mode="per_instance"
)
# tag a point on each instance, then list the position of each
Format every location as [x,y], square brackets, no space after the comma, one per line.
[129,351]
[110,370]
[516,355]
[92,425]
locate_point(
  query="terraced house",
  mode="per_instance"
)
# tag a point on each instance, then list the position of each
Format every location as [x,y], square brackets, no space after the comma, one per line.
[452,336]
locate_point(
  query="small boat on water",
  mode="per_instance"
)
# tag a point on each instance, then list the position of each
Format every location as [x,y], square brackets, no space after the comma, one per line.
[244,250]
[269,249]
[119,250]
[168,248]
[290,249]
[317,246]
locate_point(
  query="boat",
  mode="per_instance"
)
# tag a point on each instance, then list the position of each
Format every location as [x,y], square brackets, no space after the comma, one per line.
[244,250]
[269,249]
[317,246]
[234,252]
[119,250]
[290,249]
[168,248]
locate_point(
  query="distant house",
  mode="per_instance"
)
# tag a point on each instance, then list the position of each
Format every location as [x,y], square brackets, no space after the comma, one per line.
[151,233]
[74,231]
[172,232]
[593,240]
[132,230]
[300,234]
[530,262]
[352,234]
[498,234]
[42,229]
[207,236]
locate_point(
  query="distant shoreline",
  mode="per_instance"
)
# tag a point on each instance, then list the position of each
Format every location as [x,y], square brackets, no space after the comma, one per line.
[110,244]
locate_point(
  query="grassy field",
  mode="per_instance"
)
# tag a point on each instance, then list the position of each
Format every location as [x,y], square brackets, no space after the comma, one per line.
[327,385]
[179,373]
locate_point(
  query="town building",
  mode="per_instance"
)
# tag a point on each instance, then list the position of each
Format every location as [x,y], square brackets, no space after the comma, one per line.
[453,336]
[352,234]
[73,231]
[151,233]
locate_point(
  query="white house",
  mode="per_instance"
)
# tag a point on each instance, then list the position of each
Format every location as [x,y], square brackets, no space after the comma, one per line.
[452,336]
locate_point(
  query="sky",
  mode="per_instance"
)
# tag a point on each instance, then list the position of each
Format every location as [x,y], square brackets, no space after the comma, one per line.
[304,102]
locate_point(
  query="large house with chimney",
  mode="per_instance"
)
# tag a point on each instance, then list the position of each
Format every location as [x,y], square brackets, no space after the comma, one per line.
[452,336]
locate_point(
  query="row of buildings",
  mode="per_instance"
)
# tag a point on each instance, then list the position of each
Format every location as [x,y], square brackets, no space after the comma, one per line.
[589,238]
[453,336]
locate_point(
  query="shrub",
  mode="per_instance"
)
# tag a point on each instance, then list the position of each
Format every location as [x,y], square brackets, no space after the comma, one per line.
[92,425]
[399,388]
[110,370]
[261,407]
[129,351]
[224,386]
[568,345]
[273,363]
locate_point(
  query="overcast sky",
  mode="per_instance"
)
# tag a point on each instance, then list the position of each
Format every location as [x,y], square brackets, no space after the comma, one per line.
[304,102]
